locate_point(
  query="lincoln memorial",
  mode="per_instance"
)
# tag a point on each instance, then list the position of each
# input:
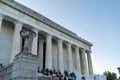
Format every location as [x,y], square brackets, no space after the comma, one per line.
[30,40]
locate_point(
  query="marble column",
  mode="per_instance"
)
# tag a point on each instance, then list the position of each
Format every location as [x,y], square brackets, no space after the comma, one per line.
[48,62]
[60,56]
[70,60]
[78,63]
[83,62]
[1,19]
[16,40]
[40,53]
[90,68]
[35,43]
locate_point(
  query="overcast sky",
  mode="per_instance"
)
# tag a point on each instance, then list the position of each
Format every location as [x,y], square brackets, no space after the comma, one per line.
[97,21]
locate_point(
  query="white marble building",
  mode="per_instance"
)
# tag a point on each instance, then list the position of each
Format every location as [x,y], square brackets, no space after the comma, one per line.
[56,47]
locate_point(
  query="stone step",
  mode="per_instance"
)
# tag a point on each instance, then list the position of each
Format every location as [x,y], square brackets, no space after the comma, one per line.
[47,78]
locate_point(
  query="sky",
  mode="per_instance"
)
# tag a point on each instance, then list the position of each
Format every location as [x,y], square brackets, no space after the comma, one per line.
[97,21]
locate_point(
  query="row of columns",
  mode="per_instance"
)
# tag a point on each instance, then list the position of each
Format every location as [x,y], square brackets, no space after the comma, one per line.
[81,66]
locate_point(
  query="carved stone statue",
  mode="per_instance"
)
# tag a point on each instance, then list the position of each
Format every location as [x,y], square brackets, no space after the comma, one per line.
[27,37]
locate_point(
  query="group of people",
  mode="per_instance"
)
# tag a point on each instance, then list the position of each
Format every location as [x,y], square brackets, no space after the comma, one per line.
[58,74]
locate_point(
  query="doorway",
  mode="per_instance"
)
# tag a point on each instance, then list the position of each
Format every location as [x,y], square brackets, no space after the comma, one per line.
[44,54]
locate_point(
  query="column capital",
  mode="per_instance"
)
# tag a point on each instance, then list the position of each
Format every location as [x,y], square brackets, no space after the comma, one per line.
[35,30]
[88,51]
[49,36]
[59,40]
[1,16]
[82,49]
[69,44]
[76,47]
[41,38]
[18,23]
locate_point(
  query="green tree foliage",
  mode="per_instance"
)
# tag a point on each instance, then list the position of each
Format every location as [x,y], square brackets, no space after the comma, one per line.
[110,75]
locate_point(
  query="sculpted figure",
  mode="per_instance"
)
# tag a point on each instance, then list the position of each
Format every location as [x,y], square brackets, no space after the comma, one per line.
[27,37]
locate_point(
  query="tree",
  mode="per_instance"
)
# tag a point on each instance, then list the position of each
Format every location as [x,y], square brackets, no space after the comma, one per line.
[110,75]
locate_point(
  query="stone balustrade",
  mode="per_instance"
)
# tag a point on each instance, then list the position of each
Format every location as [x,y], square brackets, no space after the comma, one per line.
[6,72]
